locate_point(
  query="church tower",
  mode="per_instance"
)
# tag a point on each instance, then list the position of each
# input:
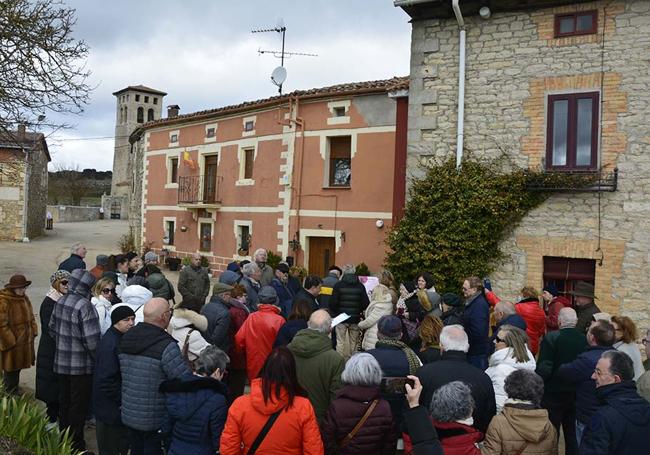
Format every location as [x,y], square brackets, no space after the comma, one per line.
[135,105]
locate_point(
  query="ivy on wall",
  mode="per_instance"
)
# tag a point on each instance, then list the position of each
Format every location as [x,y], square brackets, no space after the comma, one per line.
[455,220]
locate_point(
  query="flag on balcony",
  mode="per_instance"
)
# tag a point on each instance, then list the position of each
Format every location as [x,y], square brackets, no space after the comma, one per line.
[187,158]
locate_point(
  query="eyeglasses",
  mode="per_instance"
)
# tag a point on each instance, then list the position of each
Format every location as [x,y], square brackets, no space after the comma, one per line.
[107,290]
[64,282]
[644,341]
[499,340]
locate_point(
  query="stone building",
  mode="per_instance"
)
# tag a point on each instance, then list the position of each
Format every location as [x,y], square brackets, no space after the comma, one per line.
[562,86]
[307,175]
[23,184]
[135,105]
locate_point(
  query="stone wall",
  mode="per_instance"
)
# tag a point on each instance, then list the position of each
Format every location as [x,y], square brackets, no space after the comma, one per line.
[513,63]
[12,202]
[36,193]
[70,213]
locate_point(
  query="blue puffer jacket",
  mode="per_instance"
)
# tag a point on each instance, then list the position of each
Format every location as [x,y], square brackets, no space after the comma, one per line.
[476,320]
[148,356]
[197,409]
[621,425]
[579,373]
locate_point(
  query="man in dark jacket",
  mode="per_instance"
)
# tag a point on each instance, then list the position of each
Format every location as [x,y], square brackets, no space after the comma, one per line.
[557,348]
[333,276]
[585,306]
[194,281]
[310,292]
[148,356]
[318,366]
[251,281]
[218,315]
[476,320]
[452,309]
[621,425]
[112,436]
[349,296]
[279,283]
[578,373]
[453,366]
[505,314]
[74,326]
[76,259]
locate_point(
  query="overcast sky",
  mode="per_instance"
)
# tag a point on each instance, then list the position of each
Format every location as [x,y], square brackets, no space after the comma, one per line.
[203,54]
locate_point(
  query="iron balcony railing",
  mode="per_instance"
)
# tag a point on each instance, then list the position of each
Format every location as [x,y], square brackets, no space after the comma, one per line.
[575,181]
[199,189]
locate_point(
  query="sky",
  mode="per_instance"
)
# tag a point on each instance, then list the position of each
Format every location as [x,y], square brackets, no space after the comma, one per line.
[203,54]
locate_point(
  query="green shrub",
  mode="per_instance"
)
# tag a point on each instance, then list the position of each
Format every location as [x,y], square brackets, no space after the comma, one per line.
[273,259]
[362,269]
[23,422]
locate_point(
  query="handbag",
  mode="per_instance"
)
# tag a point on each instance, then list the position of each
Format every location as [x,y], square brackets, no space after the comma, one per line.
[359,424]
[263,432]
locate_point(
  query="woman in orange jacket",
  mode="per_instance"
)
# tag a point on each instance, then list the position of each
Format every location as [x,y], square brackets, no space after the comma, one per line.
[277,399]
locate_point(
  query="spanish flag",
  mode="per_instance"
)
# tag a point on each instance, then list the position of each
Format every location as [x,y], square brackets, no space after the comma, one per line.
[187,158]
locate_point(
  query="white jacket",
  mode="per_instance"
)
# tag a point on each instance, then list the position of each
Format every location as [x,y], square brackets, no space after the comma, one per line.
[103,309]
[136,296]
[180,325]
[502,363]
[634,353]
[378,307]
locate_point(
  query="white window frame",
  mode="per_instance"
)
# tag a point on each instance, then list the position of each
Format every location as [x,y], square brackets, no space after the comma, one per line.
[241,156]
[325,154]
[168,164]
[252,118]
[199,222]
[207,139]
[178,138]
[333,119]
[165,220]
[237,224]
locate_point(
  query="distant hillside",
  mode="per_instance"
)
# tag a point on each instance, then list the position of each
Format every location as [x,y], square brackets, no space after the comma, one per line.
[71,187]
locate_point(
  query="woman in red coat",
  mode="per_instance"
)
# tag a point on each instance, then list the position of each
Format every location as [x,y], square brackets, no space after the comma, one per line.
[276,392]
[530,310]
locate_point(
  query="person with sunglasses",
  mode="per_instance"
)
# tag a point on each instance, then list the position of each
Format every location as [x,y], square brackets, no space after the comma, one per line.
[643,383]
[47,383]
[103,290]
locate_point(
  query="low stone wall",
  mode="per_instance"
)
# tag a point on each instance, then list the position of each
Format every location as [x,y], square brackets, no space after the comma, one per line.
[70,213]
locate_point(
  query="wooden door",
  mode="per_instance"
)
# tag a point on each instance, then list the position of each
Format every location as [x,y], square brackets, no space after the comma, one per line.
[321,255]
[210,179]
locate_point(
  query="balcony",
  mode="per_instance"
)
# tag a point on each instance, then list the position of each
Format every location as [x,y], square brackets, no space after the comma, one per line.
[199,191]
[574,181]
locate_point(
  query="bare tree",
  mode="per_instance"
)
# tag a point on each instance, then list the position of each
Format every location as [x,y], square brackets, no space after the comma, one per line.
[42,64]
[68,184]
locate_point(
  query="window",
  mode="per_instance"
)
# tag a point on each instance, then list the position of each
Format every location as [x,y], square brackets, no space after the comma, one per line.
[150,115]
[249,158]
[339,112]
[173,138]
[581,23]
[137,97]
[173,163]
[205,243]
[126,114]
[572,131]
[146,99]
[244,240]
[249,125]
[141,115]
[340,161]
[170,228]
[209,132]
[565,272]
[155,100]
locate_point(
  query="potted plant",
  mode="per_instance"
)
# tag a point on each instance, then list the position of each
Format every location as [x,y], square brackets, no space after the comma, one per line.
[173,263]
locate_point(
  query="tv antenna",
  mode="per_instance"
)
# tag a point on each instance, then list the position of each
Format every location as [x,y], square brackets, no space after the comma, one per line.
[279,74]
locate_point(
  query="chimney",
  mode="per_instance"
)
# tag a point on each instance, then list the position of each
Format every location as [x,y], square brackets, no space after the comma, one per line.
[172,110]
[20,136]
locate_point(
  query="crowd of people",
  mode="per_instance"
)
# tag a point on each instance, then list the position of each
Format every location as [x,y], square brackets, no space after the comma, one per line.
[265,360]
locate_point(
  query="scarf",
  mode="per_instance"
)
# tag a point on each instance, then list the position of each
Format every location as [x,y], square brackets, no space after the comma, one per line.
[54,294]
[413,359]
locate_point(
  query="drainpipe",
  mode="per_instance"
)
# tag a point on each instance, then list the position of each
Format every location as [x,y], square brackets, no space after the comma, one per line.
[461,83]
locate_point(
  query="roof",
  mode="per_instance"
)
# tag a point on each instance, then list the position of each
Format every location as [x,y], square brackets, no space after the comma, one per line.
[10,139]
[351,88]
[140,88]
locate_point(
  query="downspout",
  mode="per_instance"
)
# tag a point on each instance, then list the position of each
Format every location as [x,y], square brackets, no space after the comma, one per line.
[461,83]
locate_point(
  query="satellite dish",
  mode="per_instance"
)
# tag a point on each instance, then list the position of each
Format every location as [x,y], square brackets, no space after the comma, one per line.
[279,75]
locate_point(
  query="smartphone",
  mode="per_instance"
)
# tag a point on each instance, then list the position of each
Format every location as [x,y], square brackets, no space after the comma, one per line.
[395,384]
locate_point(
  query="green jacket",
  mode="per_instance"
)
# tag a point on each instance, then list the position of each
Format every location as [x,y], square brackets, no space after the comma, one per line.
[557,348]
[319,368]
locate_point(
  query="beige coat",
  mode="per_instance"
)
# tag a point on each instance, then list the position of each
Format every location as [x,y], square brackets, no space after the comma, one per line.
[516,428]
[380,305]
[17,331]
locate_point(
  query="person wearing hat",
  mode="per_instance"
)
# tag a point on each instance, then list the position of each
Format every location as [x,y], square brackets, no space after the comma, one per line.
[17,331]
[553,303]
[452,309]
[279,283]
[101,265]
[257,334]
[107,384]
[218,316]
[585,306]
[47,383]
[150,258]
[381,304]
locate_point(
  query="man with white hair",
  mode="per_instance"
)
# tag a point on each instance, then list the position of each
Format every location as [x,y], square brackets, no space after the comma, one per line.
[557,348]
[193,281]
[453,366]
[267,275]
[76,260]
[251,275]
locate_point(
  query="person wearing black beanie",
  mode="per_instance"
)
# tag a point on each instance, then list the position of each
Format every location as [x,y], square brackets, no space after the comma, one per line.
[107,384]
